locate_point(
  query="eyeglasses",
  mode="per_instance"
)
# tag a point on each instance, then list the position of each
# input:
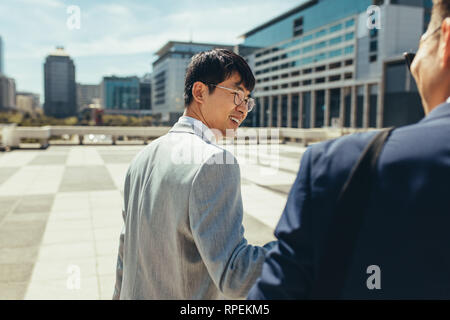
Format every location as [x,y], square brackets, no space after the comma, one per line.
[239,97]
[409,56]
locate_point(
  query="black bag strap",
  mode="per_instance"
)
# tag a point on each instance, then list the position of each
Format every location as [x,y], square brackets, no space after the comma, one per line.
[346,222]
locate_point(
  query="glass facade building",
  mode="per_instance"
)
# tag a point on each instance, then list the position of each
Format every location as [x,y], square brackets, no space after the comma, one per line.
[326,60]
[120,93]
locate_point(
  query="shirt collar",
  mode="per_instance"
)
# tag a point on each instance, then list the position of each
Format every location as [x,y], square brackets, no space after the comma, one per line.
[200,129]
[448,100]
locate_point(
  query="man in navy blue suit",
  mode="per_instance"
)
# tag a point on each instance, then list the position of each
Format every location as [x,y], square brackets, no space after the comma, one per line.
[403,245]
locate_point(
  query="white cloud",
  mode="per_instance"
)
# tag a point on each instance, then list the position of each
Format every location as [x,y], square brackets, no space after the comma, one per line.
[125,30]
[46,3]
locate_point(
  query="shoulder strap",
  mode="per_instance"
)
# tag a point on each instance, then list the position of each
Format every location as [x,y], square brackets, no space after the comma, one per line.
[346,222]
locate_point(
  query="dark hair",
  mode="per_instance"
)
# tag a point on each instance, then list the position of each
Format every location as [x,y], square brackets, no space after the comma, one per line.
[214,67]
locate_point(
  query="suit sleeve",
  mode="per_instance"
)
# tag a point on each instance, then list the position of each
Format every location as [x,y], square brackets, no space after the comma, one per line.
[287,270]
[215,213]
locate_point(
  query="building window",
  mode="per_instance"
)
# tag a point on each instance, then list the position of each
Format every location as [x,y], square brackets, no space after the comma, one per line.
[335,78]
[335,65]
[293,53]
[349,23]
[335,53]
[298,27]
[320,57]
[348,75]
[306,60]
[321,45]
[336,28]
[373,58]
[348,62]
[374,46]
[349,36]
[321,33]
[307,38]
[335,40]
[307,49]
[320,80]
[348,50]
[373,33]
[320,68]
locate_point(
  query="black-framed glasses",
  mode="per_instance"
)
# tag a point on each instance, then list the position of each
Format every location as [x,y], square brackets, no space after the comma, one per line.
[409,56]
[239,97]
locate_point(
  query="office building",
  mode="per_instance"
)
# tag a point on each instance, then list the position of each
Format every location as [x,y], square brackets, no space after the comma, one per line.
[60,85]
[168,76]
[87,94]
[334,63]
[120,95]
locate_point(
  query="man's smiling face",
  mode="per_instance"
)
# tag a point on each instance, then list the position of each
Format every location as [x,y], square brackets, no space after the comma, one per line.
[219,108]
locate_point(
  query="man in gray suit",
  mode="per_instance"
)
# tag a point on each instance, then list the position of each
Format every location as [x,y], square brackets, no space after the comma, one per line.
[183,236]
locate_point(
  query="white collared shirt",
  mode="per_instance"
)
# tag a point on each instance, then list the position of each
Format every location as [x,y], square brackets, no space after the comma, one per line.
[200,128]
[448,100]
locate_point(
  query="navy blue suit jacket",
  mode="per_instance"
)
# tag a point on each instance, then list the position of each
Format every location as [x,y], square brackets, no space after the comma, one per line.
[406,231]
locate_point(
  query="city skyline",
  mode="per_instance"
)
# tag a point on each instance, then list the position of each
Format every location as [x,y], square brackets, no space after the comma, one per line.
[104,45]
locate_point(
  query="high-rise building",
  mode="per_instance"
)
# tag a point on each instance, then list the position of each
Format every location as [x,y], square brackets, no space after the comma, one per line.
[2,66]
[337,63]
[120,94]
[60,85]
[7,93]
[168,76]
[87,94]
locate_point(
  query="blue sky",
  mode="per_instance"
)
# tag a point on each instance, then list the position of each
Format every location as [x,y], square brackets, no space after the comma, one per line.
[118,37]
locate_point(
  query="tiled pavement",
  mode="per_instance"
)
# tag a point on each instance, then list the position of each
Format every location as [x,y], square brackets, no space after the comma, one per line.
[60,214]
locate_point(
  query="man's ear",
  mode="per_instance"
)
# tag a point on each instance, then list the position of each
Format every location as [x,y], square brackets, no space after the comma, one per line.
[445,33]
[198,92]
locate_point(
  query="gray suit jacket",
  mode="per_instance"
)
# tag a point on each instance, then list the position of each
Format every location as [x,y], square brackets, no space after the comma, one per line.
[183,236]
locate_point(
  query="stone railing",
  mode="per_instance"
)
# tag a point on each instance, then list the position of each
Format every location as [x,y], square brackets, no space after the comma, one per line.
[11,135]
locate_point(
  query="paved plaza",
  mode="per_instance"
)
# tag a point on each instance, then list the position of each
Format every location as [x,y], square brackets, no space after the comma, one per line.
[60,213]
